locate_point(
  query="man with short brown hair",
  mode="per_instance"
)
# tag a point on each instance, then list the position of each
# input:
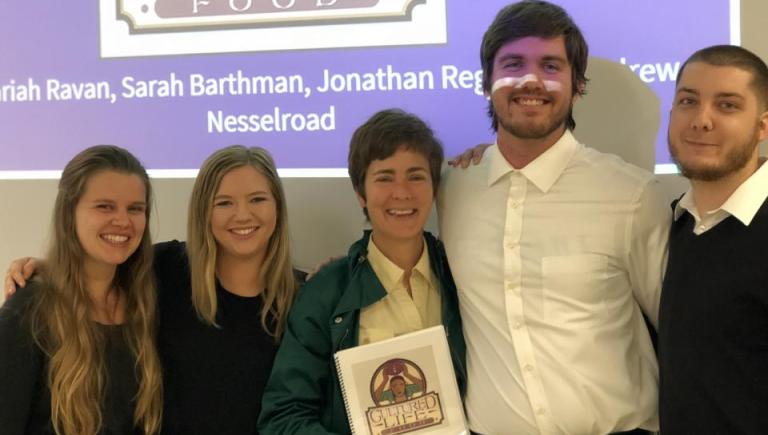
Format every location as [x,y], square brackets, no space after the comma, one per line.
[557,250]
[713,336]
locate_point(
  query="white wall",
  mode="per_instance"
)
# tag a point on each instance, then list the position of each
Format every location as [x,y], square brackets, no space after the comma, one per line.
[618,115]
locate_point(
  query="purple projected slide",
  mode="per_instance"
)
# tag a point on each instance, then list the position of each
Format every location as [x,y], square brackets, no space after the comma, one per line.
[173,80]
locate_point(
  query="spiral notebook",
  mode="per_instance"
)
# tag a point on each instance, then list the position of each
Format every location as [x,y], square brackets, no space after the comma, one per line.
[404,385]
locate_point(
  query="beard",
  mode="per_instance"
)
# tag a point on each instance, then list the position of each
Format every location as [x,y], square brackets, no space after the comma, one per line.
[733,161]
[525,129]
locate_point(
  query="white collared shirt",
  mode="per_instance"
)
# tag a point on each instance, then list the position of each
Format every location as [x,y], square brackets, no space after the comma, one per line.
[552,264]
[743,203]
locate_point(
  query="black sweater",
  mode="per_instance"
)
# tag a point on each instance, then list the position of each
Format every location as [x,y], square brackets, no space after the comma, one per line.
[713,329]
[213,377]
[25,400]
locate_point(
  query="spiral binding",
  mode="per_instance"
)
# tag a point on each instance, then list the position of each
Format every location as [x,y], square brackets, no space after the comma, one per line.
[344,396]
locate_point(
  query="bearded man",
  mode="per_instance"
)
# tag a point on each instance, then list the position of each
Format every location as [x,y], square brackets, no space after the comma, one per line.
[713,336]
[557,249]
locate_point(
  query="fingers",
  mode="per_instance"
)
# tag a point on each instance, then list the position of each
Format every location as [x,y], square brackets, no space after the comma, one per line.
[477,154]
[8,286]
[478,151]
[17,274]
[471,156]
[29,268]
[462,160]
[466,159]
[16,271]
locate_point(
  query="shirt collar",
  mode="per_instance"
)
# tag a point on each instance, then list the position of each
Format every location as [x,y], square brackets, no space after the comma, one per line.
[685,204]
[544,170]
[743,203]
[390,274]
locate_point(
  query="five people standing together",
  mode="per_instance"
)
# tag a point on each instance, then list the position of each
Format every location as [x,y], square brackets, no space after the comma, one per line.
[559,255]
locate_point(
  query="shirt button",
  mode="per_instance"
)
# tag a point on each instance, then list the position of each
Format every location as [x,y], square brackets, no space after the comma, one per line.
[337,320]
[518,325]
[514,204]
[702,227]
[528,368]
[541,411]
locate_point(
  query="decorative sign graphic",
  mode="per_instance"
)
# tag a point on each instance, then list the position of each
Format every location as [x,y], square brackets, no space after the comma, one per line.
[167,15]
[403,403]
[164,27]
[401,385]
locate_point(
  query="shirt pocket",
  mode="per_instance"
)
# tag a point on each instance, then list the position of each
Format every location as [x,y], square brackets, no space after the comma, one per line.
[574,286]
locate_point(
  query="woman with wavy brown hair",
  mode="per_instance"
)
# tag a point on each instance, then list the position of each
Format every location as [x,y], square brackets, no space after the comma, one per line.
[77,343]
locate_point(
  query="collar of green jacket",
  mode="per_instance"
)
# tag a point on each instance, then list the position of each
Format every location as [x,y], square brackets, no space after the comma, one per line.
[364,288]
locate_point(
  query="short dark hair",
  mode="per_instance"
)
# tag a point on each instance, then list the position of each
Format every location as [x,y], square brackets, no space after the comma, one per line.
[382,135]
[541,19]
[735,56]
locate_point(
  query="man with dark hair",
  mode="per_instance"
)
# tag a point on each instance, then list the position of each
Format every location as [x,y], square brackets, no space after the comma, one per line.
[535,18]
[556,249]
[713,336]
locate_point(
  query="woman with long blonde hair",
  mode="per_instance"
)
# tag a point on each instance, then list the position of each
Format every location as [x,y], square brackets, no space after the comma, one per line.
[224,298]
[77,343]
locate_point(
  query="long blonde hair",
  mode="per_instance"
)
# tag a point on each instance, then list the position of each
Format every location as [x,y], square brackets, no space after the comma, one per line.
[276,272]
[60,319]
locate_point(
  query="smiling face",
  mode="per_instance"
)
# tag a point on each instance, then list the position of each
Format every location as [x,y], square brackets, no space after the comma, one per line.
[532,92]
[398,196]
[716,122]
[244,214]
[110,219]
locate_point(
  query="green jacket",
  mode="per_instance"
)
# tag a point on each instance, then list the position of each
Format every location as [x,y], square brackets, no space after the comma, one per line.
[303,395]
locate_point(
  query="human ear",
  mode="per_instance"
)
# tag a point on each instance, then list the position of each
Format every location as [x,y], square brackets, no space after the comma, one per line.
[360,200]
[762,126]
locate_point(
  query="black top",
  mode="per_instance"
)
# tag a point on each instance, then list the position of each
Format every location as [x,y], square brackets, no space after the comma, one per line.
[214,377]
[25,400]
[713,329]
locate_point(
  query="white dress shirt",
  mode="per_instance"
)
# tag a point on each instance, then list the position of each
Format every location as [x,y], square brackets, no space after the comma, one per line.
[553,263]
[743,203]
